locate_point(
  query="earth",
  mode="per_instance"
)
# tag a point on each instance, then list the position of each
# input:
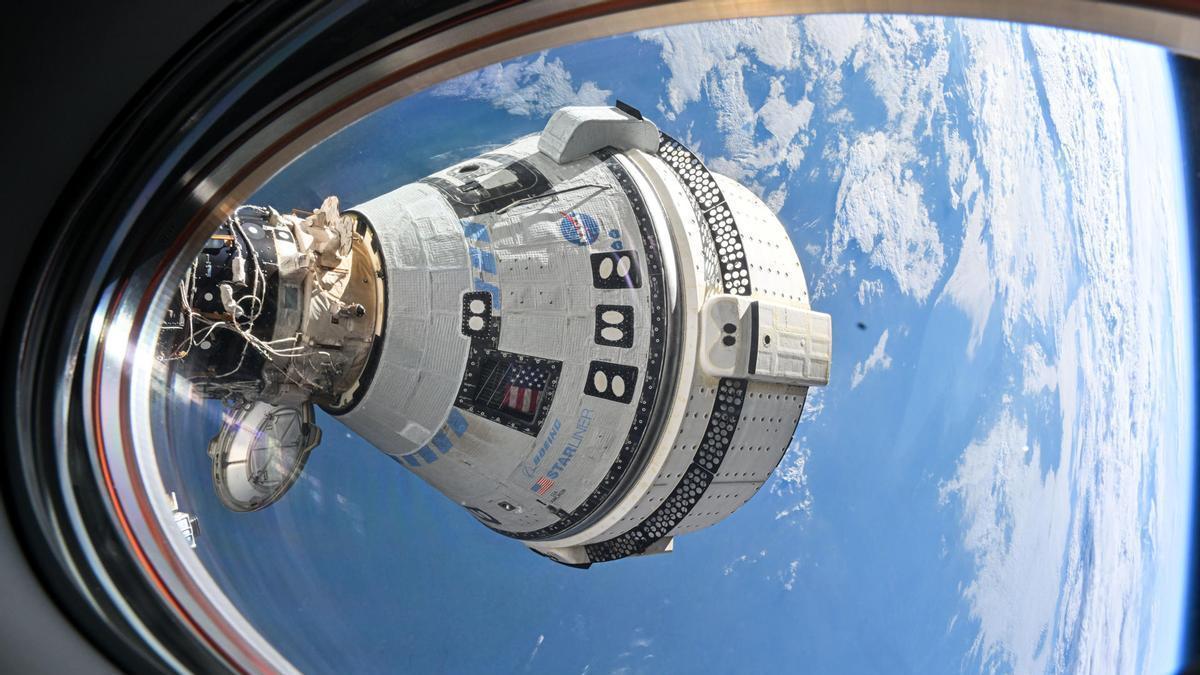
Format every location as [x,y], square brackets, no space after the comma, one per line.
[997,477]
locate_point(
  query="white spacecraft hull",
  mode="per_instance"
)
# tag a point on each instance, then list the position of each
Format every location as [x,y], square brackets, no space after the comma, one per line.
[590,341]
[585,338]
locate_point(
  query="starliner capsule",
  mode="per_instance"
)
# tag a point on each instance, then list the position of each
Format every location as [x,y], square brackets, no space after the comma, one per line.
[585,338]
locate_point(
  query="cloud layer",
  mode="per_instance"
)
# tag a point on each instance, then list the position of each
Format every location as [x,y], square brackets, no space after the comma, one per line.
[531,87]
[877,360]
[1053,240]
[1061,216]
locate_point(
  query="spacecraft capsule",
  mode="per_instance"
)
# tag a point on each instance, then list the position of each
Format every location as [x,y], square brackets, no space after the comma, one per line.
[585,338]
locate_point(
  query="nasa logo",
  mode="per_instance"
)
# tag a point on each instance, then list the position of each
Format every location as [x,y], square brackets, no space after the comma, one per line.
[578,228]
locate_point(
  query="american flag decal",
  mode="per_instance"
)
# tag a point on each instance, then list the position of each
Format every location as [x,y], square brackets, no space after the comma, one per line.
[523,389]
[520,399]
[543,485]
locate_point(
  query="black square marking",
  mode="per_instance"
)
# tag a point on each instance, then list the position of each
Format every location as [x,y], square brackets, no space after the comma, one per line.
[616,269]
[477,314]
[614,325]
[611,381]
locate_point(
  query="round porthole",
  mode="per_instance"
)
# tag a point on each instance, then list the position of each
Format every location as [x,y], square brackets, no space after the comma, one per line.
[288,375]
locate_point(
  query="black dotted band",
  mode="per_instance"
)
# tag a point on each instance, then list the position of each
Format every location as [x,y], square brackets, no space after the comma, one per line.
[722,422]
[731,393]
[731,256]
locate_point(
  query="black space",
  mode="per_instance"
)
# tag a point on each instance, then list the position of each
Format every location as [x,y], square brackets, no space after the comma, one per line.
[1187,74]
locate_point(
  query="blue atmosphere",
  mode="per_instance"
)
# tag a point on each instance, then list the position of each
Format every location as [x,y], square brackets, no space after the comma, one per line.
[998,476]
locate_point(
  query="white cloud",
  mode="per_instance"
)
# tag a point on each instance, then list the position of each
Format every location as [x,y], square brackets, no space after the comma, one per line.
[788,576]
[1016,528]
[1068,237]
[536,646]
[880,203]
[533,87]
[745,156]
[744,559]
[1019,230]
[881,206]
[881,210]
[782,119]
[692,51]
[868,290]
[906,60]
[834,35]
[878,360]
[790,476]
[798,508]
[972,286]
[1039,375]
[777,198]
[731,566]
[712,59]
[814,405]
[790,479]
[958,159]
[1063,230]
